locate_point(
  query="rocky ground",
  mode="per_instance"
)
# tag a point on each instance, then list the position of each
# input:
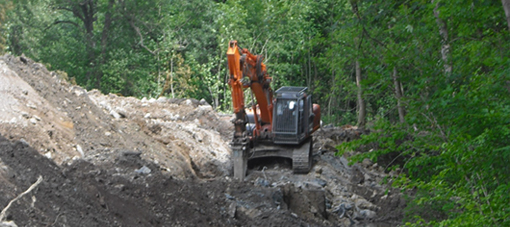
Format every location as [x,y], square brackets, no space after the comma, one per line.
[107,160]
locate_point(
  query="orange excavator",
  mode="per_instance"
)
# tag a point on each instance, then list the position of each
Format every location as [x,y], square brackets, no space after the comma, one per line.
[276,125]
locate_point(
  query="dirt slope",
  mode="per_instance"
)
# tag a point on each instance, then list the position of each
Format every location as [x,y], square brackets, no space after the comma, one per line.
[120,161]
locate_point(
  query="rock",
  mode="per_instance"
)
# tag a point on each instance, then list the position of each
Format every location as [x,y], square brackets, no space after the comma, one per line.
[313,210]
[277,197]
[205,108]
[143,170]
[31,106]
[8,224]
[366,163]
[367,177]
[78,148]
[261,182]
[357,176]
[120,187]
[364,204]
[122,112]
[25,114]
[365,214]
[114,114]
[232,210]
[198,137]
[251,213]
[203,102]
[228,196]
[312,185]
[162,99]
[24,142]
[130,153]
[321,182]
[37,118]
[33,121]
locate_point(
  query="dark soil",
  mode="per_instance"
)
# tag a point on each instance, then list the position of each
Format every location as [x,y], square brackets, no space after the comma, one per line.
[83,194]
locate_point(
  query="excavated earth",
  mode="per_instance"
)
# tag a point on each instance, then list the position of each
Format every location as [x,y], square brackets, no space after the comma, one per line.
[107,160]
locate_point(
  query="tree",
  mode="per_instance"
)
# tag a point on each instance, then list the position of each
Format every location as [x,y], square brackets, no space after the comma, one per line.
[5,5]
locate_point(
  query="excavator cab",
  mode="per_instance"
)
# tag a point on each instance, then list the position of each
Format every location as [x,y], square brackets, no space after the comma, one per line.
[292,115]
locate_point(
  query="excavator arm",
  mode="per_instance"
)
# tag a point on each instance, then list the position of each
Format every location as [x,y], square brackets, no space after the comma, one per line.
[247,70]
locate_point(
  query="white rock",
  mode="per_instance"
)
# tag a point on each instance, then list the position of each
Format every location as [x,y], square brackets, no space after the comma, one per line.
[205,108]
[147,115]
[33,121]
[37,118]
[143,170]
[121,111]
[25,114]
[152,100]
[115,114]
[8,224]
[203,102]
[78,148]
[48,154]
[162,99]
[24,142]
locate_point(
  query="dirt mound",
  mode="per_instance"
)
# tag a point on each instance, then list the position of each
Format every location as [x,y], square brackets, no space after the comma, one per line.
[66,123]
[108,160]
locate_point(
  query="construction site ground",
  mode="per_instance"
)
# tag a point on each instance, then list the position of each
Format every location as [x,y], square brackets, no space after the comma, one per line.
[108,160]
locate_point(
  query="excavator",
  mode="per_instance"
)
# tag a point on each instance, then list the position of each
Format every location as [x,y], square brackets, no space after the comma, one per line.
[278,124]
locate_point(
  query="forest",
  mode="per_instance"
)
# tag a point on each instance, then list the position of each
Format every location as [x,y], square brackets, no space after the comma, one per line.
[429,78]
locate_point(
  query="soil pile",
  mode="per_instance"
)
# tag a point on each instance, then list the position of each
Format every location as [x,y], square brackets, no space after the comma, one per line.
[108,160]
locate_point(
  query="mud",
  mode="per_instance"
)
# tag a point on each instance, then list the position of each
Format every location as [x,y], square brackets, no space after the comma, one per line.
[108,160]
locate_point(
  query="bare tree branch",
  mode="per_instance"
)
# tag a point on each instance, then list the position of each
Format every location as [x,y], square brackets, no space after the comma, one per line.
[39,180]
[62,22]
[137,30]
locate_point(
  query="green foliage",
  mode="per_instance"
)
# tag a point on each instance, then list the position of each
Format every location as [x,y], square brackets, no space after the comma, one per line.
[453,148]
[5,5]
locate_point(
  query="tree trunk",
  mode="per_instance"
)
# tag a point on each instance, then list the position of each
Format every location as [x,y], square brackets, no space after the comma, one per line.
[445,45]
[398,95]
[172,75]
[85,11]
[217,96]
[506,7]
[361,102]
[331,96]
